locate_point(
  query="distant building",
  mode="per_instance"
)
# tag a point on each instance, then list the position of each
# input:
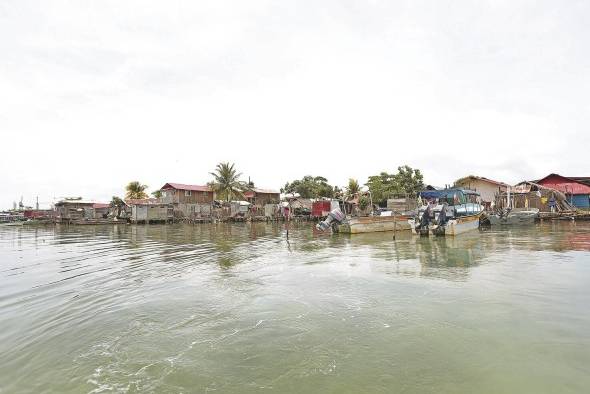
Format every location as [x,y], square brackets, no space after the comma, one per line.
[78,209]
[576,189]
[188,201]
[487,188]
[261,197]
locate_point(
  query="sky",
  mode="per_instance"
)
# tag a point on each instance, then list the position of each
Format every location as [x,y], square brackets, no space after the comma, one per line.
[94,94]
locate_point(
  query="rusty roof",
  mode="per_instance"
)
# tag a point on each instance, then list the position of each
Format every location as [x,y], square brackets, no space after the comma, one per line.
[250,193]
[481,178]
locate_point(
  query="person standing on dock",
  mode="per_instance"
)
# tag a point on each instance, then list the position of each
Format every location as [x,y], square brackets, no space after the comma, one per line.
[552,203]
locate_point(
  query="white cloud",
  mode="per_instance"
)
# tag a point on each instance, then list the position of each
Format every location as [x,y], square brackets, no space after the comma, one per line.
[95,94]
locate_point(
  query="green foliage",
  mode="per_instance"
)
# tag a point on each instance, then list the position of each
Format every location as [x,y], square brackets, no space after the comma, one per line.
[364,202]
[352,188]
[157,194]
[310,187]
[136,190]
[226,182]
[384,185]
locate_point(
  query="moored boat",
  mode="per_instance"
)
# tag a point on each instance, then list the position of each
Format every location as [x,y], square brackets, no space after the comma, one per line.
[514,216]
[371,224]
[447,212]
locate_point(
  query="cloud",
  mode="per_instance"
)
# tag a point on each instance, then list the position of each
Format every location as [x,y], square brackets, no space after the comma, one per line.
[96,94]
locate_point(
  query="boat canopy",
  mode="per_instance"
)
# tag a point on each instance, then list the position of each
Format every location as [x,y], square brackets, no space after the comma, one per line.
[449,194]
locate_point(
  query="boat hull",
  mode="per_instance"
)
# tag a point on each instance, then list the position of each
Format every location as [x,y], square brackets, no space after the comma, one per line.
[373,224]
[453,227]
[514,218]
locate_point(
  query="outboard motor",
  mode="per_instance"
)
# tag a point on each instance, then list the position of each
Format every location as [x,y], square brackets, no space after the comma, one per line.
[442,216]
[334,218]
[425,220]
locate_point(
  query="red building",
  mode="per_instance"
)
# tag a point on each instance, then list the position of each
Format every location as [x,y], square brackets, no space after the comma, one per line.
[577,189]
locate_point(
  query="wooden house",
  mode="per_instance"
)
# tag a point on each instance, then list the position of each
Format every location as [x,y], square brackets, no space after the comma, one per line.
[261,197]
[488,189]
[188,201]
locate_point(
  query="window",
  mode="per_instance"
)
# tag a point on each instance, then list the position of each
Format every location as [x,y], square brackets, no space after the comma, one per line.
[187,193]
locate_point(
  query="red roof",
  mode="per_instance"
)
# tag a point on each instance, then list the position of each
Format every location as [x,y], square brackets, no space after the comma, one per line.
[100,205]
[564,184]
[181,186]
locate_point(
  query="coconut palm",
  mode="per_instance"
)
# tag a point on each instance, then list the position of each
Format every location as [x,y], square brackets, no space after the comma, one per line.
[136,190]
[352,188]
[226,182]
[157,194]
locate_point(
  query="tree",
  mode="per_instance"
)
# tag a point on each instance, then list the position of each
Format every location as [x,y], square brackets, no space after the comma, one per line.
[310,187]
[226,182]
[136,190]
[352,188]
[338,193]
[406,181]
[409,180]
[157,194]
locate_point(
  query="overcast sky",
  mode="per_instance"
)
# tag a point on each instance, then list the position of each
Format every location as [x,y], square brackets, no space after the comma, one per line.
[94,94]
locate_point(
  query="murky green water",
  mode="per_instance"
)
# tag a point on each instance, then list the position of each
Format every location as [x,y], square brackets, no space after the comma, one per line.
[238,309]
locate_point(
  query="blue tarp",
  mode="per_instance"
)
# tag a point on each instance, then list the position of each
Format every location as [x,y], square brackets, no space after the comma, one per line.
[428,194]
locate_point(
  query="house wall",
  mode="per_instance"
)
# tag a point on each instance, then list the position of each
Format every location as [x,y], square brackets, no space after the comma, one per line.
[70,211]
[486,190]
[174,196]
[262,199]
[580,200]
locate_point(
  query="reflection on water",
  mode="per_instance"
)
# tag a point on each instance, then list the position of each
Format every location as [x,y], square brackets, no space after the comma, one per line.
[244,308]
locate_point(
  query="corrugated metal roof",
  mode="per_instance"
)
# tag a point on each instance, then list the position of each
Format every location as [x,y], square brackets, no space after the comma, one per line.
[481,178]
[141,201]
[85,202]
[182,186]
[251,193]
[564,184]
[265,191]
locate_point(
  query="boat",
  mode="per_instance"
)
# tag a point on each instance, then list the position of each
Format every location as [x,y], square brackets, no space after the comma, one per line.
[447,212]
[372,224]
[514,216]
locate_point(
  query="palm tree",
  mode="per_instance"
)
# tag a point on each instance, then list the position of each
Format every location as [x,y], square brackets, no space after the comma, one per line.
[352,188]
[136,190]
[226,182]
[157,194]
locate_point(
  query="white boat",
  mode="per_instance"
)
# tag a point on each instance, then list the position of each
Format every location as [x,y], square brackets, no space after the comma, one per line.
[448,212]
[514,216]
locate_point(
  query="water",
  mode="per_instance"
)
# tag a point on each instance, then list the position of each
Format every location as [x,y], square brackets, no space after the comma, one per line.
[239,309]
